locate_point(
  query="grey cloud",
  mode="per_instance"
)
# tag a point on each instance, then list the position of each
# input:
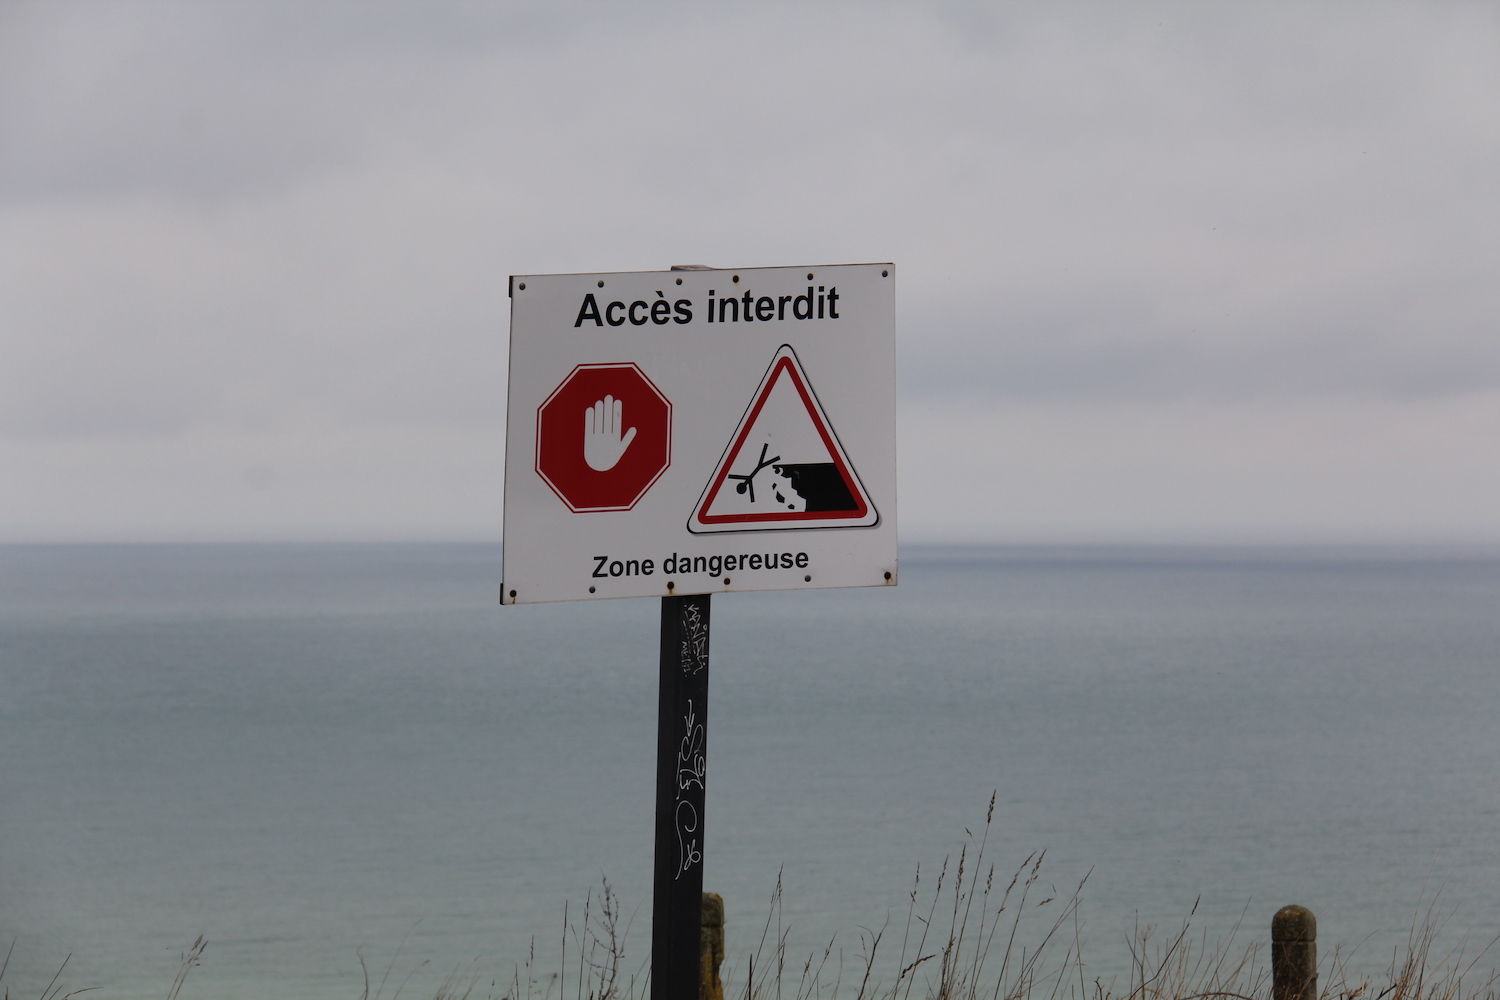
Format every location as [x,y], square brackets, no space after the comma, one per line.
[206,102]
[259,218]
[1393,335]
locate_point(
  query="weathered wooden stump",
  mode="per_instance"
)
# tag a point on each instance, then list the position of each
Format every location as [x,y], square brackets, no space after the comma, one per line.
[1294,954]
[711,952]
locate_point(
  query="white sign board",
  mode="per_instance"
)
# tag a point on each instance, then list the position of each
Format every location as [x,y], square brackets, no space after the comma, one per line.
[700,431]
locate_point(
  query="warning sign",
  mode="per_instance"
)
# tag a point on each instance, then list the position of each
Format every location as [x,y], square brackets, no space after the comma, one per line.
[700,430]
[784,466]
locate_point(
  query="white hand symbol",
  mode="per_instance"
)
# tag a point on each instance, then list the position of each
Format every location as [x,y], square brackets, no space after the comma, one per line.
[602,444]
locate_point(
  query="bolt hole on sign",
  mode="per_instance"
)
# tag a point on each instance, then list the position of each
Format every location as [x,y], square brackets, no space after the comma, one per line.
[700,430]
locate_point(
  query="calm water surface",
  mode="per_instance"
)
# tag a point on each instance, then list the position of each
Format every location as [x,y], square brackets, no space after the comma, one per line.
[298,751]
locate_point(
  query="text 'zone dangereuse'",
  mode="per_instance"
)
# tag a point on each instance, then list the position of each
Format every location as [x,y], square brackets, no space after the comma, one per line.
[714,566]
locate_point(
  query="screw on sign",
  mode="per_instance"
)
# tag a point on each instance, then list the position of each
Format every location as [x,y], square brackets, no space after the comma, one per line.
[603,437]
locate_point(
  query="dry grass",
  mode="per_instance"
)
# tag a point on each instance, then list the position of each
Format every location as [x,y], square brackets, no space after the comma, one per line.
[969,936]
[53,990]
[977,935]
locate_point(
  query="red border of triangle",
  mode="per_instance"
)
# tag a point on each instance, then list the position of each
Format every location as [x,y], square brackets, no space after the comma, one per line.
[783,363]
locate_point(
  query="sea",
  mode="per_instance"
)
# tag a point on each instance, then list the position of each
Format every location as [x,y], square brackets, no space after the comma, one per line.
[322,756]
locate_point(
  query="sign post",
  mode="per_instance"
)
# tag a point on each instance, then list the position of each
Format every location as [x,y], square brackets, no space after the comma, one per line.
[681,433]
[681,756]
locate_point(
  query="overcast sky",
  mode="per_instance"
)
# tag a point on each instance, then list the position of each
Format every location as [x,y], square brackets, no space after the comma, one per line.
[1194,272]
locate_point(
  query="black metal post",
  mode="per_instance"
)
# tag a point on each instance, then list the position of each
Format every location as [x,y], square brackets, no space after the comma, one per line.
[681,742]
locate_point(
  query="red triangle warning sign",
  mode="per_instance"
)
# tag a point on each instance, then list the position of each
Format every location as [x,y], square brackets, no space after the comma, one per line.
[784,467]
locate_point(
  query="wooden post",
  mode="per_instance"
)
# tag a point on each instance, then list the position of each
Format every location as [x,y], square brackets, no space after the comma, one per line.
[711,952]
[1294,954]
[681,744]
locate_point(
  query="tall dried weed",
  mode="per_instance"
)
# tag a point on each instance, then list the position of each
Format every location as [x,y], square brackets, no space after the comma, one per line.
[977,935]
[967,937]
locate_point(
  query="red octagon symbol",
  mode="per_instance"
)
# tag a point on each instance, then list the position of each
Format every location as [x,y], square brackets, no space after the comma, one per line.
[603,437]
